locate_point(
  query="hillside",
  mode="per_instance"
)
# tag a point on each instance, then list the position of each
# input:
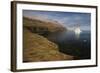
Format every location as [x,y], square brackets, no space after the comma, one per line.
[38,48]
[40,26]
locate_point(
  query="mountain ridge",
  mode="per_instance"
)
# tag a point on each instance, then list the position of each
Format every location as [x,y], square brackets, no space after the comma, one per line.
[50,26]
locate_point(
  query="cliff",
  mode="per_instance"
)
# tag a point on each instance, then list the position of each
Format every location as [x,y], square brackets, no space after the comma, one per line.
[38,48]
[41,26]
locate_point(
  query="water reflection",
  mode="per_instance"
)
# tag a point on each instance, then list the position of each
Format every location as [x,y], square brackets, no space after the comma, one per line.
[77,35]
[77,31]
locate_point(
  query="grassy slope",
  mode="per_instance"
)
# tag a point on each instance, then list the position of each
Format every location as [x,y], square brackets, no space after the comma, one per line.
[38,48]
[50,25]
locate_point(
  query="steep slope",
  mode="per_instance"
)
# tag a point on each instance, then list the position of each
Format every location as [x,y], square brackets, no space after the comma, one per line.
[38,48]
[36,25]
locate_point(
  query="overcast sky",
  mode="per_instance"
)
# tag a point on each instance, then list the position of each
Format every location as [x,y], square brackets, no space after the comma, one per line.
[68,19]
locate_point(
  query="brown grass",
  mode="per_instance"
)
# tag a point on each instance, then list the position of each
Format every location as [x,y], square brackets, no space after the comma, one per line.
[37,48]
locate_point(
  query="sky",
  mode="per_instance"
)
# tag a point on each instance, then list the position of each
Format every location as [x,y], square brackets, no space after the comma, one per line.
[67,19]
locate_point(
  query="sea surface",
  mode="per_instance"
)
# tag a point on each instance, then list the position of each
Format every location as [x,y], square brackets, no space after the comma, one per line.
[71,43]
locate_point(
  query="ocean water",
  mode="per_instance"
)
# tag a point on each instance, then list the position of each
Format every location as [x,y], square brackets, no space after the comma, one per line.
[69,42]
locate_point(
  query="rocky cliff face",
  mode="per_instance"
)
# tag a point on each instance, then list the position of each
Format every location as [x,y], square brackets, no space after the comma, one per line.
[38,48]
